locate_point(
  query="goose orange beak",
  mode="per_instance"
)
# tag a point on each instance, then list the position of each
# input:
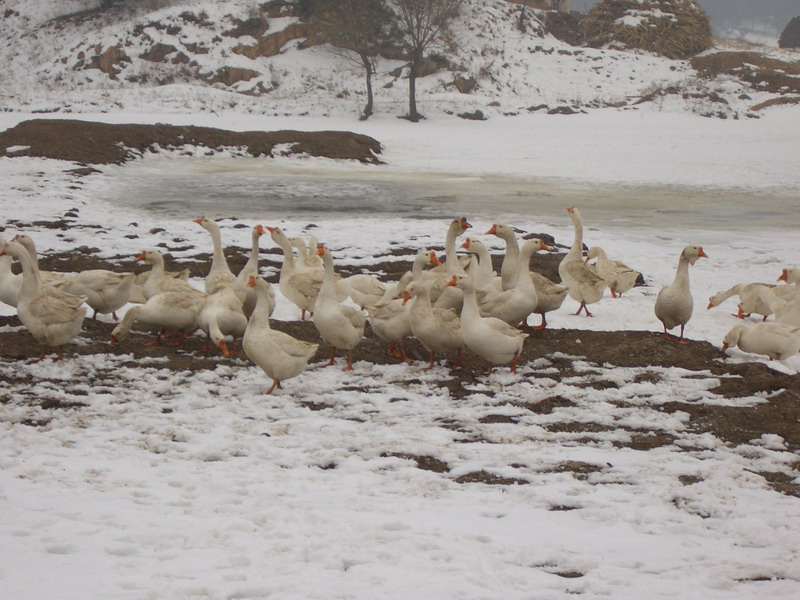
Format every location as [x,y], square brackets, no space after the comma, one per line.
[724,346]
[251,282]
[140,257]
[260,230]
[406,297]
[492,230]
[466,243]
[571,209]
[548,248]
[434,260]
[710,306]
[452,282]
[784,276]
[702,253]
[199,221]
[320,249]
[464,223]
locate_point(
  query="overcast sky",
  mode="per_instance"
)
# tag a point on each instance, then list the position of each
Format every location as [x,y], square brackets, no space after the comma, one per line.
[744,15]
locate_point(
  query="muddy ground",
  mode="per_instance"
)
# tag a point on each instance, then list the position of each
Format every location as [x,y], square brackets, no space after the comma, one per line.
[733,425]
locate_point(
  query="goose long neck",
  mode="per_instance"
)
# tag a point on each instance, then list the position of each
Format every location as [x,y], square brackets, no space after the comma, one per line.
[157,268]
[253,260]
[523,263]
[416,267]
[682,273]
[260,314]
[576,252]
[508,269]
[31,280]
[421,303]
[470,310]
[218,258]
[453,266]
[288,254]
[328,289]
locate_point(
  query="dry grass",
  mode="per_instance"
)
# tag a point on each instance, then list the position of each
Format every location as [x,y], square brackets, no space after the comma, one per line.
[676,29]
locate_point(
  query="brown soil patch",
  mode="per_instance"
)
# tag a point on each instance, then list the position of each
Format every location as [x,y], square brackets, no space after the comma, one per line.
[762,73]
[88,142]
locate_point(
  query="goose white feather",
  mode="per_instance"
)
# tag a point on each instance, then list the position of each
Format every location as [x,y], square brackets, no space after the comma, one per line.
[340,326]
[674,303]
[52,316]
[278,354]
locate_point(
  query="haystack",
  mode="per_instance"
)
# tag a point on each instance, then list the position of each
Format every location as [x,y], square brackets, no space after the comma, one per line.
[672,28]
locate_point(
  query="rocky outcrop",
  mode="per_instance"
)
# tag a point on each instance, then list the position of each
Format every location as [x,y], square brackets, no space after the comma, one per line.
[271,45]
[790,38]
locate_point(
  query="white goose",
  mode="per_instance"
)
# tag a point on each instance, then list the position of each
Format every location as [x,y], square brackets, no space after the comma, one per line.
[790,275]
[339,325]
[585,285]
[105,291]
[53,317]
[550,295]
[787,313]
[299,286]
[306,253]
[482,270]
[363,289]
[219,274]
[619,276]
[279,355]
[493,339]
[137,295]
[158,281]
[46,277]
[514,305]
[220,316]
[389,319]
[750,297]
[777,340]
[674,302]
[10,282]
[175,312]
[251,268]
[438,329]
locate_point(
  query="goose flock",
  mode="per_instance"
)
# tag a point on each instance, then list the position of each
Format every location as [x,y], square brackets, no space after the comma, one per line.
[460,303]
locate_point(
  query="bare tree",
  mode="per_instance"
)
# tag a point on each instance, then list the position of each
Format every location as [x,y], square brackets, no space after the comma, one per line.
[423,22]
[362,28]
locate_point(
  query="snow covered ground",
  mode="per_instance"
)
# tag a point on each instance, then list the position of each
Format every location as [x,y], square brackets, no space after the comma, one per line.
[178,485]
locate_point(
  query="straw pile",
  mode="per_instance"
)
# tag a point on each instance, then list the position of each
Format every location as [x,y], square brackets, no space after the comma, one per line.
[673,28]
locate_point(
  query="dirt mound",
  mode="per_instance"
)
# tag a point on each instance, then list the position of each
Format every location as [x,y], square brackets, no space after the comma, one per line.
[89,142]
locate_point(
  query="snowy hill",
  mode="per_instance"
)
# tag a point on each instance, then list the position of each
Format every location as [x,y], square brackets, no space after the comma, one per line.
[213,55]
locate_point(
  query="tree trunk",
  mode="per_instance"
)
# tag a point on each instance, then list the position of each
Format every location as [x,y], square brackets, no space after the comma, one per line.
[521,22]
[368,71]
[413,115]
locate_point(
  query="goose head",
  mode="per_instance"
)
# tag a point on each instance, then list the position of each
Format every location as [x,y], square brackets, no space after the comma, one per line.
[692,253]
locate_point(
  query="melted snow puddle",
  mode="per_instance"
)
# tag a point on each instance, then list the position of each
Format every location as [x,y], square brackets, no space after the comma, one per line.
[251,188]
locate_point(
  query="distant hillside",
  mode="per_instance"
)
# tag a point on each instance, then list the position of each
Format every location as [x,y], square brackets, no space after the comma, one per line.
[68,56]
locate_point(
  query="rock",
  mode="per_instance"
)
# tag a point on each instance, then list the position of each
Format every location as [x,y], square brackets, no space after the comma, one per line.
[790,38]
[465,85]
[476,115]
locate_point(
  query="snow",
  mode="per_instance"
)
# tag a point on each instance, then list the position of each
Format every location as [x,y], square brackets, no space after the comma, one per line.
[176,485]
[167,485]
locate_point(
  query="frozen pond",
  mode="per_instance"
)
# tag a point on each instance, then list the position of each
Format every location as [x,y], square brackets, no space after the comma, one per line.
[255,189]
